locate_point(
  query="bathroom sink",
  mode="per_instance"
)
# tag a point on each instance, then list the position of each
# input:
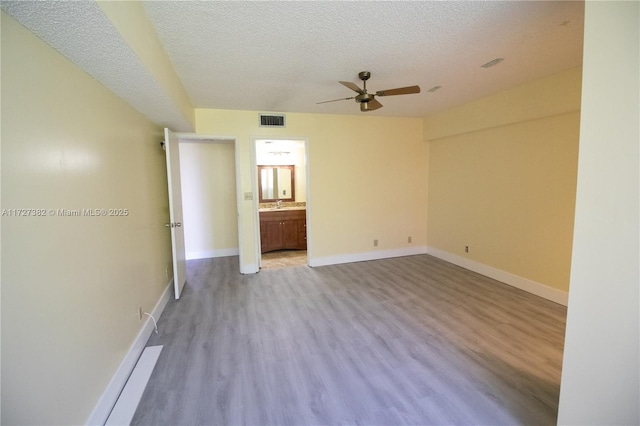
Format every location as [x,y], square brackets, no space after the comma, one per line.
[275,209]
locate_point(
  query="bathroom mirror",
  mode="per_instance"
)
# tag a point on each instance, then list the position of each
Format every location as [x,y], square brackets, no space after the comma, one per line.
[276,183]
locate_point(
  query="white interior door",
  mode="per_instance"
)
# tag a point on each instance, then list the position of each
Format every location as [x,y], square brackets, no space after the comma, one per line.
[175,211]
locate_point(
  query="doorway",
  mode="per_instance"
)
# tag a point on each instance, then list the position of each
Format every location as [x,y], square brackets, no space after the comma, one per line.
[209,194]
[281,195]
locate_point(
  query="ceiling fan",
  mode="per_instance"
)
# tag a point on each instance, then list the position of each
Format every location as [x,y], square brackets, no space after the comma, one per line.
[367,100]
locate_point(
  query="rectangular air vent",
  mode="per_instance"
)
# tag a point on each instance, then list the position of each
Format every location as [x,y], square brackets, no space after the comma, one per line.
[272,120]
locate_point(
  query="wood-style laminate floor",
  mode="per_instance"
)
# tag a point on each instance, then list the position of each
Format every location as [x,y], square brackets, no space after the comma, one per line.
[411,340]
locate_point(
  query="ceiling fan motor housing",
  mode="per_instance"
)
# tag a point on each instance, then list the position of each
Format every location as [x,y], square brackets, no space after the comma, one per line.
[365,97]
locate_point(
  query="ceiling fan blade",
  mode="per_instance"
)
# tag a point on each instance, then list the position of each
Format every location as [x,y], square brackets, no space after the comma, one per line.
[352,86]
[335,100]
[374,105]
[399,91]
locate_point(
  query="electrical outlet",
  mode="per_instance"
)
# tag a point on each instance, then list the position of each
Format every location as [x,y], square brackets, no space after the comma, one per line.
[375,243]
[166,272]
[140,313]
[409,239]
[466,249]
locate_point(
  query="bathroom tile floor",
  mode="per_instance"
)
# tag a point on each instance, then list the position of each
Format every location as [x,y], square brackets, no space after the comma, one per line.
[284,259]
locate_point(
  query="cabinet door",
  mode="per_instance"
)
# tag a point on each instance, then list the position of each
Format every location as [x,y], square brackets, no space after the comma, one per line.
[302,234]
[264,243]
[290,234]
[273,232]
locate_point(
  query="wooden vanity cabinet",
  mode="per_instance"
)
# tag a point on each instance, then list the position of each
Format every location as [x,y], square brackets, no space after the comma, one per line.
[283,229]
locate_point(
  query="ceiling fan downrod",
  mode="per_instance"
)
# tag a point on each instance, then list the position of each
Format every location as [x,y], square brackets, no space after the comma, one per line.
[364,98]
[364,76]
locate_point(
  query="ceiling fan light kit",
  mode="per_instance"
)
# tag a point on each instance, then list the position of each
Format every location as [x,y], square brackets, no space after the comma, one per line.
[367,100]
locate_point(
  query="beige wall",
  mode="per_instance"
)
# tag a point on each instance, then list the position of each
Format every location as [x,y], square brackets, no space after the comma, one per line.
[502,178]
[601,368]
[367,178]
[71,286]
[208,176]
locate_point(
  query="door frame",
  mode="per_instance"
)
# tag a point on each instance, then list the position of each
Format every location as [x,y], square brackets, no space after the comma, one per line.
[193,137]
[256,202]
[174,186]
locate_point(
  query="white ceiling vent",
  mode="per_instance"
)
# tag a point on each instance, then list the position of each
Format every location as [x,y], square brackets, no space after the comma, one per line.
[272,120]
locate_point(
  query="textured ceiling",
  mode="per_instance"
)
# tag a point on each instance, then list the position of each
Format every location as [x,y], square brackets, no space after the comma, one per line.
[286,56]
[82,33]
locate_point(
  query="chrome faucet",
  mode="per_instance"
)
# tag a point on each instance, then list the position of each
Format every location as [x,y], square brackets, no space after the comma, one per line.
[278,204]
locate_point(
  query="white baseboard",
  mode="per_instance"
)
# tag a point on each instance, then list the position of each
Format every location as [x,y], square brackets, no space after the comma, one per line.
[127,403]
[516,281]
[110,396]
[207,254]
[362,257]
